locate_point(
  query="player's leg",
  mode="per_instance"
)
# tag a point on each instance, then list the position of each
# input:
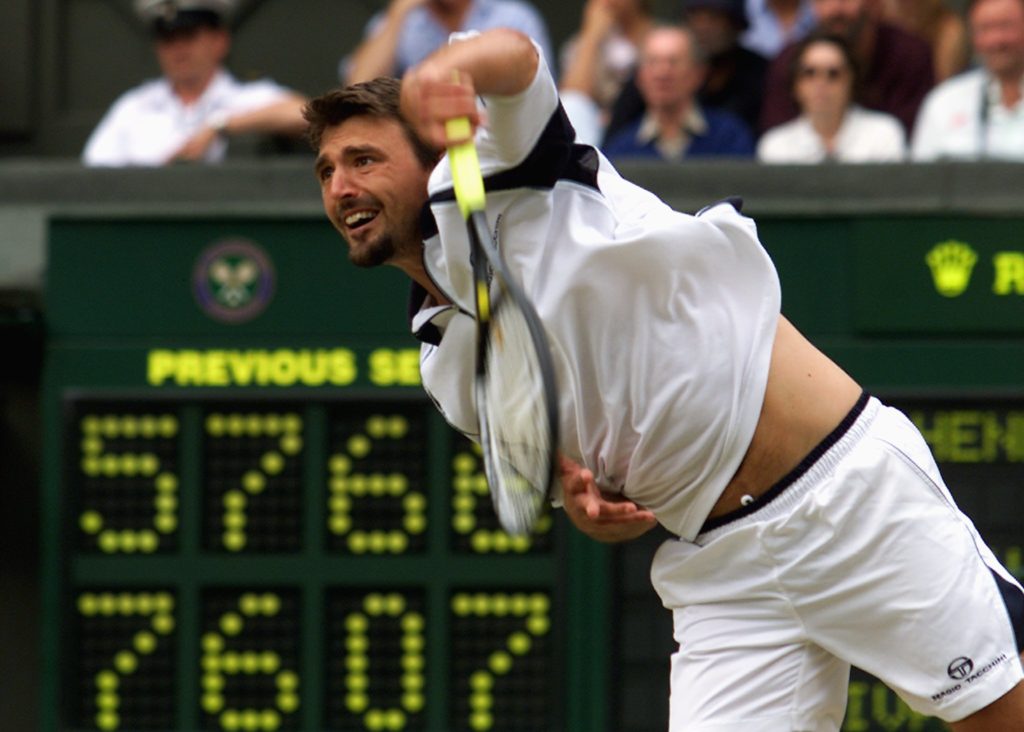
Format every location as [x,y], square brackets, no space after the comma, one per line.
[1005,713]
[744,662]
[914,596]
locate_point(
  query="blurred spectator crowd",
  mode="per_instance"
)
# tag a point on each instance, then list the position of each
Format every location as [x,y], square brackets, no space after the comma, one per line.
[781,81]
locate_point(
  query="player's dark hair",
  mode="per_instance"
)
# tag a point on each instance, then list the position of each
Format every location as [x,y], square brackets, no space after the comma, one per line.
[378,98]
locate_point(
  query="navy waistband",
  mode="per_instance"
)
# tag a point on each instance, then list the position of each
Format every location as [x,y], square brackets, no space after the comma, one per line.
[793,475]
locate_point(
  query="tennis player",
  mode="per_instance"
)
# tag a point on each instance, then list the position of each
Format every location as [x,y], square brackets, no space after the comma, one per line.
[814,530]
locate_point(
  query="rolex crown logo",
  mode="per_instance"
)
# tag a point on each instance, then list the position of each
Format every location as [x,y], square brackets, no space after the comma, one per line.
[951,263]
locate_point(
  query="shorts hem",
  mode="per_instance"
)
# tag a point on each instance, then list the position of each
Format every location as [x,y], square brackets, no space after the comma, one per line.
[979,698]
[786,723]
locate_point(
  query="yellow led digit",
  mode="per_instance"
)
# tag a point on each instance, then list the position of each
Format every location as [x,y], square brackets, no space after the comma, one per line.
[129,655]
[222,663]
[124,457]
[516,622]
[351,487]
[376,651]
[269,446]
[472,518]
[358,686]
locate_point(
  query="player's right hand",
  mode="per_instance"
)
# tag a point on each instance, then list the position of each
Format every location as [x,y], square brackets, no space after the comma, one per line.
[432,94]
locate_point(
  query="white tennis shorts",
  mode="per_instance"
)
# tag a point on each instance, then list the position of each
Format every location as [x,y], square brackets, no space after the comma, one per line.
[862,559]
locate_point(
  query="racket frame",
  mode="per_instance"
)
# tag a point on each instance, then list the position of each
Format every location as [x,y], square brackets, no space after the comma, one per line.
[487,260]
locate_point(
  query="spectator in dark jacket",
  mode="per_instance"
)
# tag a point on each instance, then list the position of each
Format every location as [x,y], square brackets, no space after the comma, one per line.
[734,78]
[675,125]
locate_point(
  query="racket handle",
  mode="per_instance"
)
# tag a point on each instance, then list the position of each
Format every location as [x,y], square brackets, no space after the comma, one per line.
[466,176]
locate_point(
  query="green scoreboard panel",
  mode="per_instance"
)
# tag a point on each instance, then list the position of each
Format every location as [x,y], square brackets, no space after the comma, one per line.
[276,532]
[255,519]
[296,536]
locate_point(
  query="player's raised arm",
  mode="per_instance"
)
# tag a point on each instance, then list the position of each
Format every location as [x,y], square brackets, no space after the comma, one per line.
[499,62]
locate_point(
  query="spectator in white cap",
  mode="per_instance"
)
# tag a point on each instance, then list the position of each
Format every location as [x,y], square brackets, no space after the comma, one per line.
[190,112]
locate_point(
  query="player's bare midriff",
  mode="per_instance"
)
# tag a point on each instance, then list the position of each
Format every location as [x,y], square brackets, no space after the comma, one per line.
[807,396]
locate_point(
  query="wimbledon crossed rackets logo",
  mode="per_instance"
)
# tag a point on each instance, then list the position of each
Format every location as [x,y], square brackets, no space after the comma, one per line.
[233,280]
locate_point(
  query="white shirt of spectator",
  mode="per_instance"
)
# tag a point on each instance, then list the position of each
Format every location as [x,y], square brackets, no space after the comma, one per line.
[148,124]
[865,136]
[954,124]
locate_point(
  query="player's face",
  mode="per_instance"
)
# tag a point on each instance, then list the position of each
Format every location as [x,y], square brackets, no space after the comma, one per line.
[997,31]
[373,189]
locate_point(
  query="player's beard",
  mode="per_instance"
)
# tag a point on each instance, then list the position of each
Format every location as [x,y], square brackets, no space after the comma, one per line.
[367,252]
[373,253]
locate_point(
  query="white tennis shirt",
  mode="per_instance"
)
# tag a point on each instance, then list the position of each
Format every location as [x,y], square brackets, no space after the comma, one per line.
[661,324]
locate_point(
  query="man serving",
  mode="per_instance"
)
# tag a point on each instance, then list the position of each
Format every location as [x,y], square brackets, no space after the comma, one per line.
[806,512]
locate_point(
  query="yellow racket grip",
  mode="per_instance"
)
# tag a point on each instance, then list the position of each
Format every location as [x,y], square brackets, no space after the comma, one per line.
[466,176]
[483,302]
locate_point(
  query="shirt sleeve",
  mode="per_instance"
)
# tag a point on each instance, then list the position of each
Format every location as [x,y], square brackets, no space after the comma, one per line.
[100,148]
[771,148]
[105,147]
[892,142]
[515,123]
[257,94]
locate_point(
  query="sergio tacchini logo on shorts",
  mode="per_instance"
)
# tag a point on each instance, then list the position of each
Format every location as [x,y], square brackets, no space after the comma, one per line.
[962,670]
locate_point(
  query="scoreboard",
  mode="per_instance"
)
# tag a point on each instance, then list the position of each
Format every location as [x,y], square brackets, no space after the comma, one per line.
[252,532]
[256,520]
[294,534]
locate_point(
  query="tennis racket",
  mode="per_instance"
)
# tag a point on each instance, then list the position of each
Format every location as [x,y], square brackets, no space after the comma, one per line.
[514,384]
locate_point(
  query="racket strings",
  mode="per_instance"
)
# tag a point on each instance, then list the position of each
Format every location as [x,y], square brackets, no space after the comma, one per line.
[518,423]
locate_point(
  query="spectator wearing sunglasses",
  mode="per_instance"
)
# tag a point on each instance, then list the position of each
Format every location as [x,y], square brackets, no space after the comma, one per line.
[831,126]
[895,66]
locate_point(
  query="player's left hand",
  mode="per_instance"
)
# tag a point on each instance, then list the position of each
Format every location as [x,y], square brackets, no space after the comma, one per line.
[431,95]
[606,517]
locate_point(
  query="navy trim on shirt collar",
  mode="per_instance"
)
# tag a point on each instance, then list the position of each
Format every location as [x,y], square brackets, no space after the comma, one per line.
[555,157]
[428,224]
[428,333]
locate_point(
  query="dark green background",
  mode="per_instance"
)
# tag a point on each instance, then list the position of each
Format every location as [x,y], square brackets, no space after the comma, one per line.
[119,287]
